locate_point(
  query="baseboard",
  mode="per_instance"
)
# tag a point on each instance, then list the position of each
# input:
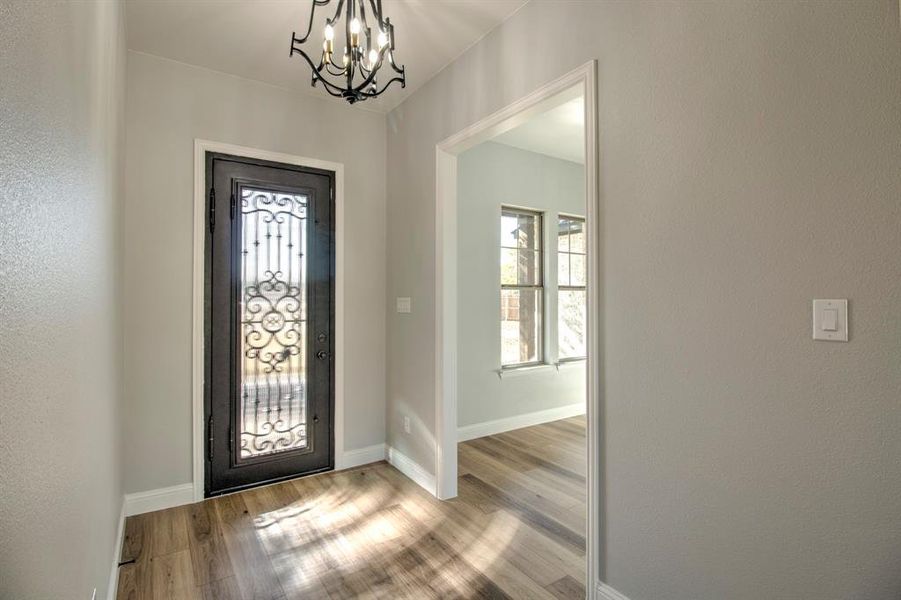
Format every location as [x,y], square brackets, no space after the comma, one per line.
[177,495]
[412,469]
[151,500]
[361,456]
[605,592]
[117,552]
[471,432]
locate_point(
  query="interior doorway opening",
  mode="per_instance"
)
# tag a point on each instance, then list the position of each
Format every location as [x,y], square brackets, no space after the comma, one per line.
[518,299]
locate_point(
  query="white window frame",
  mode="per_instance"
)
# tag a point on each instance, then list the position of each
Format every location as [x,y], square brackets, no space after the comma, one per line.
[570,288]
[539,287]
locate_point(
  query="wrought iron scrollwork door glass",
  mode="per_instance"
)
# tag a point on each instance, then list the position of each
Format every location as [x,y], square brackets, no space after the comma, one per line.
[270,280]
[273,322]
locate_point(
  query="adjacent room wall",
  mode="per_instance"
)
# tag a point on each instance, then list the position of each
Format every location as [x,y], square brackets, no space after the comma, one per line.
[169,105]
[749,162]
[489,176]
[62,84]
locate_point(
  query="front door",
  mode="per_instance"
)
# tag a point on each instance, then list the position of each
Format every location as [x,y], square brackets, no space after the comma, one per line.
[270,257]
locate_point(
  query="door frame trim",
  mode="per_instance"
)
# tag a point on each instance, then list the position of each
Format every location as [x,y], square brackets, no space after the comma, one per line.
[201,147]
[446,434]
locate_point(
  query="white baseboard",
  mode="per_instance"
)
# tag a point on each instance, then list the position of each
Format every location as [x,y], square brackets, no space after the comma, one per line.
[113,585]
[151,500]
[412,469]
[605,592]
[361,456]
[178,495]
[471,432]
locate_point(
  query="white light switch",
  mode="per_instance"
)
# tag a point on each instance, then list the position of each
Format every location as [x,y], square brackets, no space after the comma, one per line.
[404,305]
[830,320]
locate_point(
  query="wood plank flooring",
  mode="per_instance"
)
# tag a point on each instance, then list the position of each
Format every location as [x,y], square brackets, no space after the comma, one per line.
[516,530]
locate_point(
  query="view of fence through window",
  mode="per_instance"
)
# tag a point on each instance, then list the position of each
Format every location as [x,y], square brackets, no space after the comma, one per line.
[522,287]
[571,290]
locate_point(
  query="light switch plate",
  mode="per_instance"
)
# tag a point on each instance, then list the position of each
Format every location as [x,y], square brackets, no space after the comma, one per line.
[404,305]
[830,320]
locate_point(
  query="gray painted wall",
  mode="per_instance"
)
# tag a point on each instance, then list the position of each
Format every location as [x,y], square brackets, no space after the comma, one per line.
[488,176]
[168,105]
[61,122]
[749,163]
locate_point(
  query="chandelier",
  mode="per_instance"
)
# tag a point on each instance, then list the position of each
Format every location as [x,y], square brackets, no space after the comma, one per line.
[368,48]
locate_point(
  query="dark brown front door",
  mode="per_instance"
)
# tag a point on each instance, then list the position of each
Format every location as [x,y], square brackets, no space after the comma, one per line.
[269,322]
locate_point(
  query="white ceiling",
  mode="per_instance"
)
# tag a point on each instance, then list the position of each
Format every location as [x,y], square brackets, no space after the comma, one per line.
[252,38]
[558,132]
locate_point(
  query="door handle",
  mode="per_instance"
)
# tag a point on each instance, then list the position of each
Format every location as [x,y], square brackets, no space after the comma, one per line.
[322,355]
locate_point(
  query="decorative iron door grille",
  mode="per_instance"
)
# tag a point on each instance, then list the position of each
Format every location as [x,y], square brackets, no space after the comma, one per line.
[272,323]
[270,280]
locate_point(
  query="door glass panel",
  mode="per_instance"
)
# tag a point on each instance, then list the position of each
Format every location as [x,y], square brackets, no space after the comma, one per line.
[273,312]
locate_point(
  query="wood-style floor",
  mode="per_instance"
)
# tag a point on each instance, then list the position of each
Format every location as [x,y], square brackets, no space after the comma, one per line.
[516,530]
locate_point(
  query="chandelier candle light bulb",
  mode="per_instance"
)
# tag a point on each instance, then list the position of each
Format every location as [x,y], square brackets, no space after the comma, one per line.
[363,64]
[328,45]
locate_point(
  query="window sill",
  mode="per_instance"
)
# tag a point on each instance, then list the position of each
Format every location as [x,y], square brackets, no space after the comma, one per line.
[570,363]
[503,373]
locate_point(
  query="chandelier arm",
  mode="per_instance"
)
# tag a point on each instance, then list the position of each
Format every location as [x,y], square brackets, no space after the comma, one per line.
[377,12]
[371,75]
[363,23]
[312,16]
[384,87]
[328,69]
[398,70]
[337,14]
[317,76]
[348,47]
[334,94]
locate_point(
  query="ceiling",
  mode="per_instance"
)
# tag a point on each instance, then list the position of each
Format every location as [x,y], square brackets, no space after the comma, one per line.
[251,38]
[557,132]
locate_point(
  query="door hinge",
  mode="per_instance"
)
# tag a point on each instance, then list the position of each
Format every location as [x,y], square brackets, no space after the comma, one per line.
[212,209]
[233,207]
[209,426]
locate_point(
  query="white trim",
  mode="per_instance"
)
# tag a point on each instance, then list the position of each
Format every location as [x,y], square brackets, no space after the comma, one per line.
[477,430]
[159,499]
[411,469]
[446,324]
[506,372]
[113,585]
[605,592]
[201,147]
[179,495]
[362,456]
[582,80]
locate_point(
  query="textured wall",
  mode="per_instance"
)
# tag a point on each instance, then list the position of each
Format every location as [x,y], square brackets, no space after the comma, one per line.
[749,163]
[61,100]
[168,105]
[489,176]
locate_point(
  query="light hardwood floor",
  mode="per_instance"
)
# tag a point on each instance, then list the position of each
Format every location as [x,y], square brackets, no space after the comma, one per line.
[516,530]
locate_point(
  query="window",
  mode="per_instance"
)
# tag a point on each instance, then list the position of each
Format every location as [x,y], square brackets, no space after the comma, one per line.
[522,287]
[571,293]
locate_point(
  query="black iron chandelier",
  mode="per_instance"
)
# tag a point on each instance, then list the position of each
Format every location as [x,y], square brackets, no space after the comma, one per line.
[368,47]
